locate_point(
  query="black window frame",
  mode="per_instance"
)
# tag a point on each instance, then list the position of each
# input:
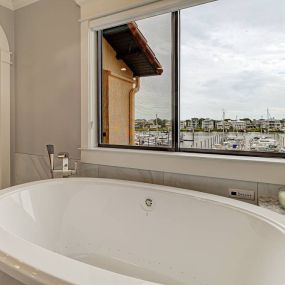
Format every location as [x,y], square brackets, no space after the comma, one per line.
[175,99]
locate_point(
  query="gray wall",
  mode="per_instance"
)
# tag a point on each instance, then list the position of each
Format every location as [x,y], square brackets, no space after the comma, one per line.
[47,79]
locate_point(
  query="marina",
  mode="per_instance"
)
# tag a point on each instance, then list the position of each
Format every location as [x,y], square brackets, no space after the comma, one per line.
[253,141]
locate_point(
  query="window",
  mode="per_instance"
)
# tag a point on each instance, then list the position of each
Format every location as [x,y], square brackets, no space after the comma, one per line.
[229,64]
[232,76]
[136,83]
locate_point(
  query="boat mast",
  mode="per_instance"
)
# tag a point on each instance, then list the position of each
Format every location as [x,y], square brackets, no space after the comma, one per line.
[268,118]
[237,125]
[224,124]
[157,135]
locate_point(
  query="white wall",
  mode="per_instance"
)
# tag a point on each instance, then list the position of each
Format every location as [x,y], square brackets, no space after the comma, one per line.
[97,8]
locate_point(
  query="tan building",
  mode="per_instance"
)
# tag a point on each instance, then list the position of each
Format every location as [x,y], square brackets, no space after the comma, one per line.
[208,125]
[126,58]
[226,125]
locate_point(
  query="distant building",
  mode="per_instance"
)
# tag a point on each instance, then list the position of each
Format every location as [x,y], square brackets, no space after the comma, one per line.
[259,123]
[220,125]
[154,126]
[263,124]
[274,124]
[271,124]
[188,124]
[195,123]
[168,124]
[249,123]
[192,124]
[208,124]
[238,125]
[182,124]
[140,123]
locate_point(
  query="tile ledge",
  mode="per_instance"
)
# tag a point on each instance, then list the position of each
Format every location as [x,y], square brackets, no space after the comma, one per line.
[254,169]
[187,155]
[271,204]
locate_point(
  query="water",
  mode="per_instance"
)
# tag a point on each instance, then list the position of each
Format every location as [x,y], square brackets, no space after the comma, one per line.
[209,140]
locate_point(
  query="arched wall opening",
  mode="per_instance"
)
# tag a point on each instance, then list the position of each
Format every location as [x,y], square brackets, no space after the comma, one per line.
[5,62]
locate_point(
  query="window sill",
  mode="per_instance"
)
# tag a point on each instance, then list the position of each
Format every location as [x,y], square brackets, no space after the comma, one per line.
[256,169]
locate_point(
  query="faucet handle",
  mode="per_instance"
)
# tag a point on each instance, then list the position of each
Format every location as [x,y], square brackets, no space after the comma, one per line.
[63,155]
[65,160]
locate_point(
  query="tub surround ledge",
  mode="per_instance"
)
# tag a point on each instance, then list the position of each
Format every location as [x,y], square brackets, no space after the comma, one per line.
[272,204]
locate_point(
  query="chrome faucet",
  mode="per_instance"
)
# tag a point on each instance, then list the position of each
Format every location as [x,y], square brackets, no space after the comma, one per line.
[64,156]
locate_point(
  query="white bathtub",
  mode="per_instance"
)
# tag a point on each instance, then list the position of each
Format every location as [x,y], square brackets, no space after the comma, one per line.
[101,232]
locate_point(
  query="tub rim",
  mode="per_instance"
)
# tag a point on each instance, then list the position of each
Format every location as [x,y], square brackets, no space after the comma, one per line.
[15,252]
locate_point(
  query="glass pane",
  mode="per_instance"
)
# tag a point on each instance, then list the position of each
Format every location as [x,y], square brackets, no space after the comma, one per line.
[233,76]
[136,83]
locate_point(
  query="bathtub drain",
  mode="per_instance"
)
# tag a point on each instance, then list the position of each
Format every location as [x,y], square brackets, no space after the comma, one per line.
[148,202]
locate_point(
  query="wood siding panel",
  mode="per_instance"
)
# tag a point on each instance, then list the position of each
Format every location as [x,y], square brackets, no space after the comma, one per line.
[119,110]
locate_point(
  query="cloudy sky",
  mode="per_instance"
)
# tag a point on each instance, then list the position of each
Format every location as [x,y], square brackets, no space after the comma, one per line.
[155,93]
[232,58]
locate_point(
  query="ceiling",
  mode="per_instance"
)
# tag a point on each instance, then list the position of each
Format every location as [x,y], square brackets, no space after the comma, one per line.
[17,4]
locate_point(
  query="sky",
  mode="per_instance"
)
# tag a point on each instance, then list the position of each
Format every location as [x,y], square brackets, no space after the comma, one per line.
[232,59]
[154,96]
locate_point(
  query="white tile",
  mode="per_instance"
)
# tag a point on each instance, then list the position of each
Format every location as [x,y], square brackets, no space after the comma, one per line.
[269,190]
[88,170]
[215,186]
[29,168]
[146,176]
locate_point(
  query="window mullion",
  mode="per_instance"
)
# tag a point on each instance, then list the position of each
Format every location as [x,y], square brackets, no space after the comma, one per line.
[99,85]
[175,80]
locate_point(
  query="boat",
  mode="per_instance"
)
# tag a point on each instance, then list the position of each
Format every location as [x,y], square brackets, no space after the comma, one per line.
[265,144]
[234,143]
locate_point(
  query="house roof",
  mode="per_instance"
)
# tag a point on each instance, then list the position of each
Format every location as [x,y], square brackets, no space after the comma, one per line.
[132,47]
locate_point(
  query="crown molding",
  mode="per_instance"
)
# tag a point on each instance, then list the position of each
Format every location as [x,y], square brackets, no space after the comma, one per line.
[7,4]
[17,4]
[80,2]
